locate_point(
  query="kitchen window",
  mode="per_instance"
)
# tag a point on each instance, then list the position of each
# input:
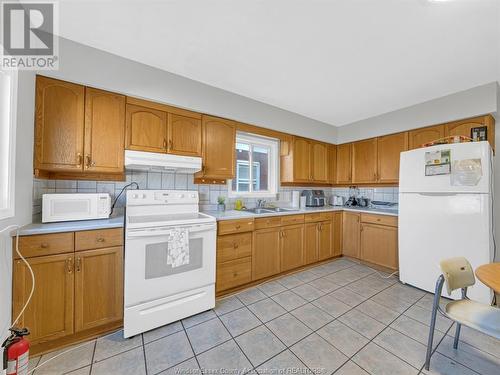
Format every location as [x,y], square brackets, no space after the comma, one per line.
[8,85]
[256,173]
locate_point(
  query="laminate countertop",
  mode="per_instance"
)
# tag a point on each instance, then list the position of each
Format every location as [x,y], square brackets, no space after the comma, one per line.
[118,221]
[233,214]
[70,226]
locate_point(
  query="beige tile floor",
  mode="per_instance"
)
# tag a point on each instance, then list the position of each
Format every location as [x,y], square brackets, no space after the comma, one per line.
[339,317]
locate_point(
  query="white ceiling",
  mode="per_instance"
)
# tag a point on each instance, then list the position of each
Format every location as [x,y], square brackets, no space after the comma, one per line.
[336,61]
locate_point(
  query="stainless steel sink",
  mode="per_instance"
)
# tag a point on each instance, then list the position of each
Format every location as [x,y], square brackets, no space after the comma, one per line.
[281,209]
[260,211]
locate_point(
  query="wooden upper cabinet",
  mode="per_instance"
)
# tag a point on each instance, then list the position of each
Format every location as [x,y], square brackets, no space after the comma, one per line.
[104,131]
[389,149]
[343,175]
[364,161]
[332,163]
[59,123]
[219,137]
[350,234]
[319,162]
[184,135]
[301,160]
[417,137]
[146,129]
[464,127]
[49,315]
[98,287]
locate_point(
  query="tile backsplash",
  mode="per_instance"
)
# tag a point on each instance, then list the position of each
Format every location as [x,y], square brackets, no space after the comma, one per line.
[159,180]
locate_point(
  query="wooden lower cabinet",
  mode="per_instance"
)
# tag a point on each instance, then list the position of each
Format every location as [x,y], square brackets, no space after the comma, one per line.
[233,273]
[98,287]
[337,233]
[311,243]
[49,315]
[379,245]
[292,247]
[325,249]
[77,295]
[266,253]
[350,234]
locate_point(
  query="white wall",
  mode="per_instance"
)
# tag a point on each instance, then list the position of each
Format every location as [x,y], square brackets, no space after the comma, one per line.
[475,101]
[23,190]
[93,67]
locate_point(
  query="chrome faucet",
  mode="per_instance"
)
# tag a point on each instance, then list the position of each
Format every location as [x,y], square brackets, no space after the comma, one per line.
[261,203]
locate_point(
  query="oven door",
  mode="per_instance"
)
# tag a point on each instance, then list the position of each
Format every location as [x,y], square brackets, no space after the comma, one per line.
[147,274]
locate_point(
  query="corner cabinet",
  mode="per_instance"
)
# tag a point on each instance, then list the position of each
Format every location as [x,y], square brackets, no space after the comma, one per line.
[79,286]
[350,234]
[343,168]
[364,161]
[219,137]
[78,131]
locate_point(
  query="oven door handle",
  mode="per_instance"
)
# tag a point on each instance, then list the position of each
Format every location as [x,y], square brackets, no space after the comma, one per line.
[164,231]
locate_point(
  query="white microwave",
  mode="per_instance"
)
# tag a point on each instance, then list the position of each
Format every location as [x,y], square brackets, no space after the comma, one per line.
[77,206]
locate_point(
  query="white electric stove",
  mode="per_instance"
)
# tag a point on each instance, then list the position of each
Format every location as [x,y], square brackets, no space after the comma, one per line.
[157,293]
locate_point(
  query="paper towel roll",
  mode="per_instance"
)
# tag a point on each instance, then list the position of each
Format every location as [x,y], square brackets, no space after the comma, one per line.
[295,198]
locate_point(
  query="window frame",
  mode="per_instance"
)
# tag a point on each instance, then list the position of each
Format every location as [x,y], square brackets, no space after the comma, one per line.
[273,167]
[8,146]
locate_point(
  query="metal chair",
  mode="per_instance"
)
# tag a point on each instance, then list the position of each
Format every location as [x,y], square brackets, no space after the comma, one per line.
[458,274]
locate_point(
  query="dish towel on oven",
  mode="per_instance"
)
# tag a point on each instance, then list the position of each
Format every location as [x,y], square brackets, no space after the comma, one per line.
[178,247]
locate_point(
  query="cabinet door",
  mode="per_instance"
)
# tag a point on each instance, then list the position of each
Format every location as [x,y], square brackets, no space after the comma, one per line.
[266,253]
[301,160]
[49,315]
[337,233]
[292,247]
[219,149]
[389,149]
[104,131]
[146,129]
[464,127]
[319,162]
[184,136]
[325,249]
[364,161]
[98,287]
[332,163]
[417,137]
[350,234]
[379,245]
[59,122]
[343,175]
[311,242]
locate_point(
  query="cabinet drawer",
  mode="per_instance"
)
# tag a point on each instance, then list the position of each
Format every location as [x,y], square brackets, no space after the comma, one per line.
[318,216]
[267,222]
[380,219]
[292,219]
[235,226]
[233,273]
[45,244]
[98,239]
[326,216]
[234,246]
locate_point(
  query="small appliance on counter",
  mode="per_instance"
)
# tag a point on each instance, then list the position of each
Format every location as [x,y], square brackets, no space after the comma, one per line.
[76,206]
[336,200]
[314,198]
[363,202]
[352,201]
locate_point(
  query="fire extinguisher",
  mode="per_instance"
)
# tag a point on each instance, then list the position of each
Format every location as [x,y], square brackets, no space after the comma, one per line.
[16,352]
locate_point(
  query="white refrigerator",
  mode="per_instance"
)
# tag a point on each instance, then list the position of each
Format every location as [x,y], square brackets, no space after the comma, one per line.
[445,210]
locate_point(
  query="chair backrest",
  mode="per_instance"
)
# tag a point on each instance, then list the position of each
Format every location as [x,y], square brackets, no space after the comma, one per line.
[457,273]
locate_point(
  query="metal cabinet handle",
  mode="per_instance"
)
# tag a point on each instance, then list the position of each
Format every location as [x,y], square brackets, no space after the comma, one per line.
[235,245]
[238,226]
[44,245]
[100,239]
[170,144]
[165,143]
[78,264]
[89,163]
[79,158]
[69,265]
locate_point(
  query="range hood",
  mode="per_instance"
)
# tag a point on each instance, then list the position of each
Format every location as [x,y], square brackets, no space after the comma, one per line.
[153,161]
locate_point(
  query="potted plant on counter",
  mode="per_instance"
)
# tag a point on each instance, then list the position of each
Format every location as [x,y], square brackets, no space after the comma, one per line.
[221,203]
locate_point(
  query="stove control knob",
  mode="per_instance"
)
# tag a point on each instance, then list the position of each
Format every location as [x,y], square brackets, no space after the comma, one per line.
[135,196]
[143,196]
[193,195]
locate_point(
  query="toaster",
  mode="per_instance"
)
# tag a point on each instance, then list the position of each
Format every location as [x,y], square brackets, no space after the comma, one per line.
[314,198]
[336,200]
